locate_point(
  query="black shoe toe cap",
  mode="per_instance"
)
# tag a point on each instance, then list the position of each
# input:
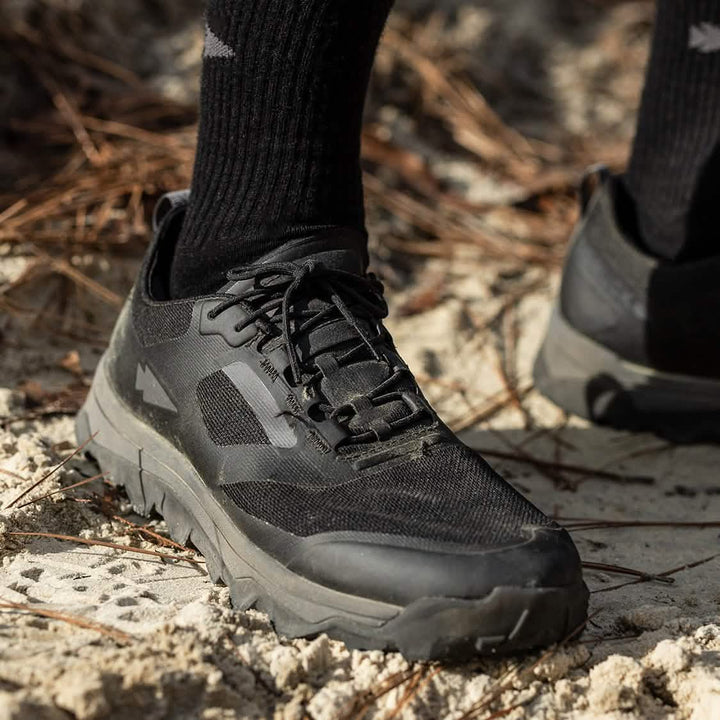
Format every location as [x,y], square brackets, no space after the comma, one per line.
[400,571]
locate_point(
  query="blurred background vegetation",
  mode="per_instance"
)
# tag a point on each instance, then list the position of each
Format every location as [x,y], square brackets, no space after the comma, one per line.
[481,117]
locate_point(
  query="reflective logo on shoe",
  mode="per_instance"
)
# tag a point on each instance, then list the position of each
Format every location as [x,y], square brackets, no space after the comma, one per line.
[705,37]
[152,391]
[215,47]
[263,404]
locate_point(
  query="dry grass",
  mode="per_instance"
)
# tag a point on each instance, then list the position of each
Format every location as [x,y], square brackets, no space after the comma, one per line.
[110,167]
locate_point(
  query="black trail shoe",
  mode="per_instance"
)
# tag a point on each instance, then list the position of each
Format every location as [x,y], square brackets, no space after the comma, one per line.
[275,426]
[634,342]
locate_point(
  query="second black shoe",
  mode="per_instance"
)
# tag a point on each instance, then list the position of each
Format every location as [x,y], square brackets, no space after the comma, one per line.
[274,425]
[634,342]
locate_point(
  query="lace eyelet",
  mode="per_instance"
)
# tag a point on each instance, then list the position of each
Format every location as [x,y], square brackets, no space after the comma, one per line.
[315,413]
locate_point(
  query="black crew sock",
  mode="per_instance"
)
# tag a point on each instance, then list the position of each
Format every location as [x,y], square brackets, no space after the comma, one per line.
[674,170]
[283,89]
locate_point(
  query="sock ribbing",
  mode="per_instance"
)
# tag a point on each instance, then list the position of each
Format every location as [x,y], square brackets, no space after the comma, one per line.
[674,170]
[283,89]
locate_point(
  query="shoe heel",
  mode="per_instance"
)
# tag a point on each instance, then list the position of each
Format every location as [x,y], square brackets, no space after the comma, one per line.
[587,379]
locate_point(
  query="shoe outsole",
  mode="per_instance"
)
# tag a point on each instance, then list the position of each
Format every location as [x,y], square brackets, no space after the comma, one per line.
[587,379]
[157,476]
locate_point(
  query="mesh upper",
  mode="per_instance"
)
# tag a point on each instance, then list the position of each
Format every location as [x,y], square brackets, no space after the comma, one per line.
[449,494]
[228,417]
[162,322]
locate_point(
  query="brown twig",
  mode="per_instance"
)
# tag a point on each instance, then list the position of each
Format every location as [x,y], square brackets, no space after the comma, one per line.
[507,365]
[12,474]
[565,467]
[72,117]
[359,706]
[62,489]
[63,267]
[620,570]
[103,543]
[77,450]
[118,635]
[550,471]
[667,573]
[492,406]
[409,692]
[416,685]
[600,524]
[504,683]
[167,542]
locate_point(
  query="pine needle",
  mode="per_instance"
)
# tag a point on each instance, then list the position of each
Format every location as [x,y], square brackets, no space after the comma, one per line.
[364,701]
[103,543]
[64,617]
[63,489]
[563,467]
[51,472]
[620,570]
[168,542]
[599,524]
[667,573]
[505,681]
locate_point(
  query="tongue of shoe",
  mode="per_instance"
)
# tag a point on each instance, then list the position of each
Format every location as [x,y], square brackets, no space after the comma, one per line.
[336,248]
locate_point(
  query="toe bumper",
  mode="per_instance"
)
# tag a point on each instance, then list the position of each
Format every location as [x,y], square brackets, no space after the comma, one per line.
[400,572]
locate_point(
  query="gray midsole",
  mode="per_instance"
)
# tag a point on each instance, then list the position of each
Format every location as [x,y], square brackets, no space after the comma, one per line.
[569,360]
[159,462]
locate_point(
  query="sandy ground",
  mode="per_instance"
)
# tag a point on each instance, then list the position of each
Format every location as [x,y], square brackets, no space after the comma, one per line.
[651,649]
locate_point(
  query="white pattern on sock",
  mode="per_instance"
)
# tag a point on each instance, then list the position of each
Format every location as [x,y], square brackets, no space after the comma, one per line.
[705,37]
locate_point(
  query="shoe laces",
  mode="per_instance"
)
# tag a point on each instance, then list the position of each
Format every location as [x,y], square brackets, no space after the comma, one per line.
[284,301]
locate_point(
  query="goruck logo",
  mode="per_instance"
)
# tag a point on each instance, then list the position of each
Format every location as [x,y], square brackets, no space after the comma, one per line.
[152,391]
[704,38]
[215,47]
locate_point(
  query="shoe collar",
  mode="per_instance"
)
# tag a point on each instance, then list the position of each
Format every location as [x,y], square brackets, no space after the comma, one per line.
[336,247]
